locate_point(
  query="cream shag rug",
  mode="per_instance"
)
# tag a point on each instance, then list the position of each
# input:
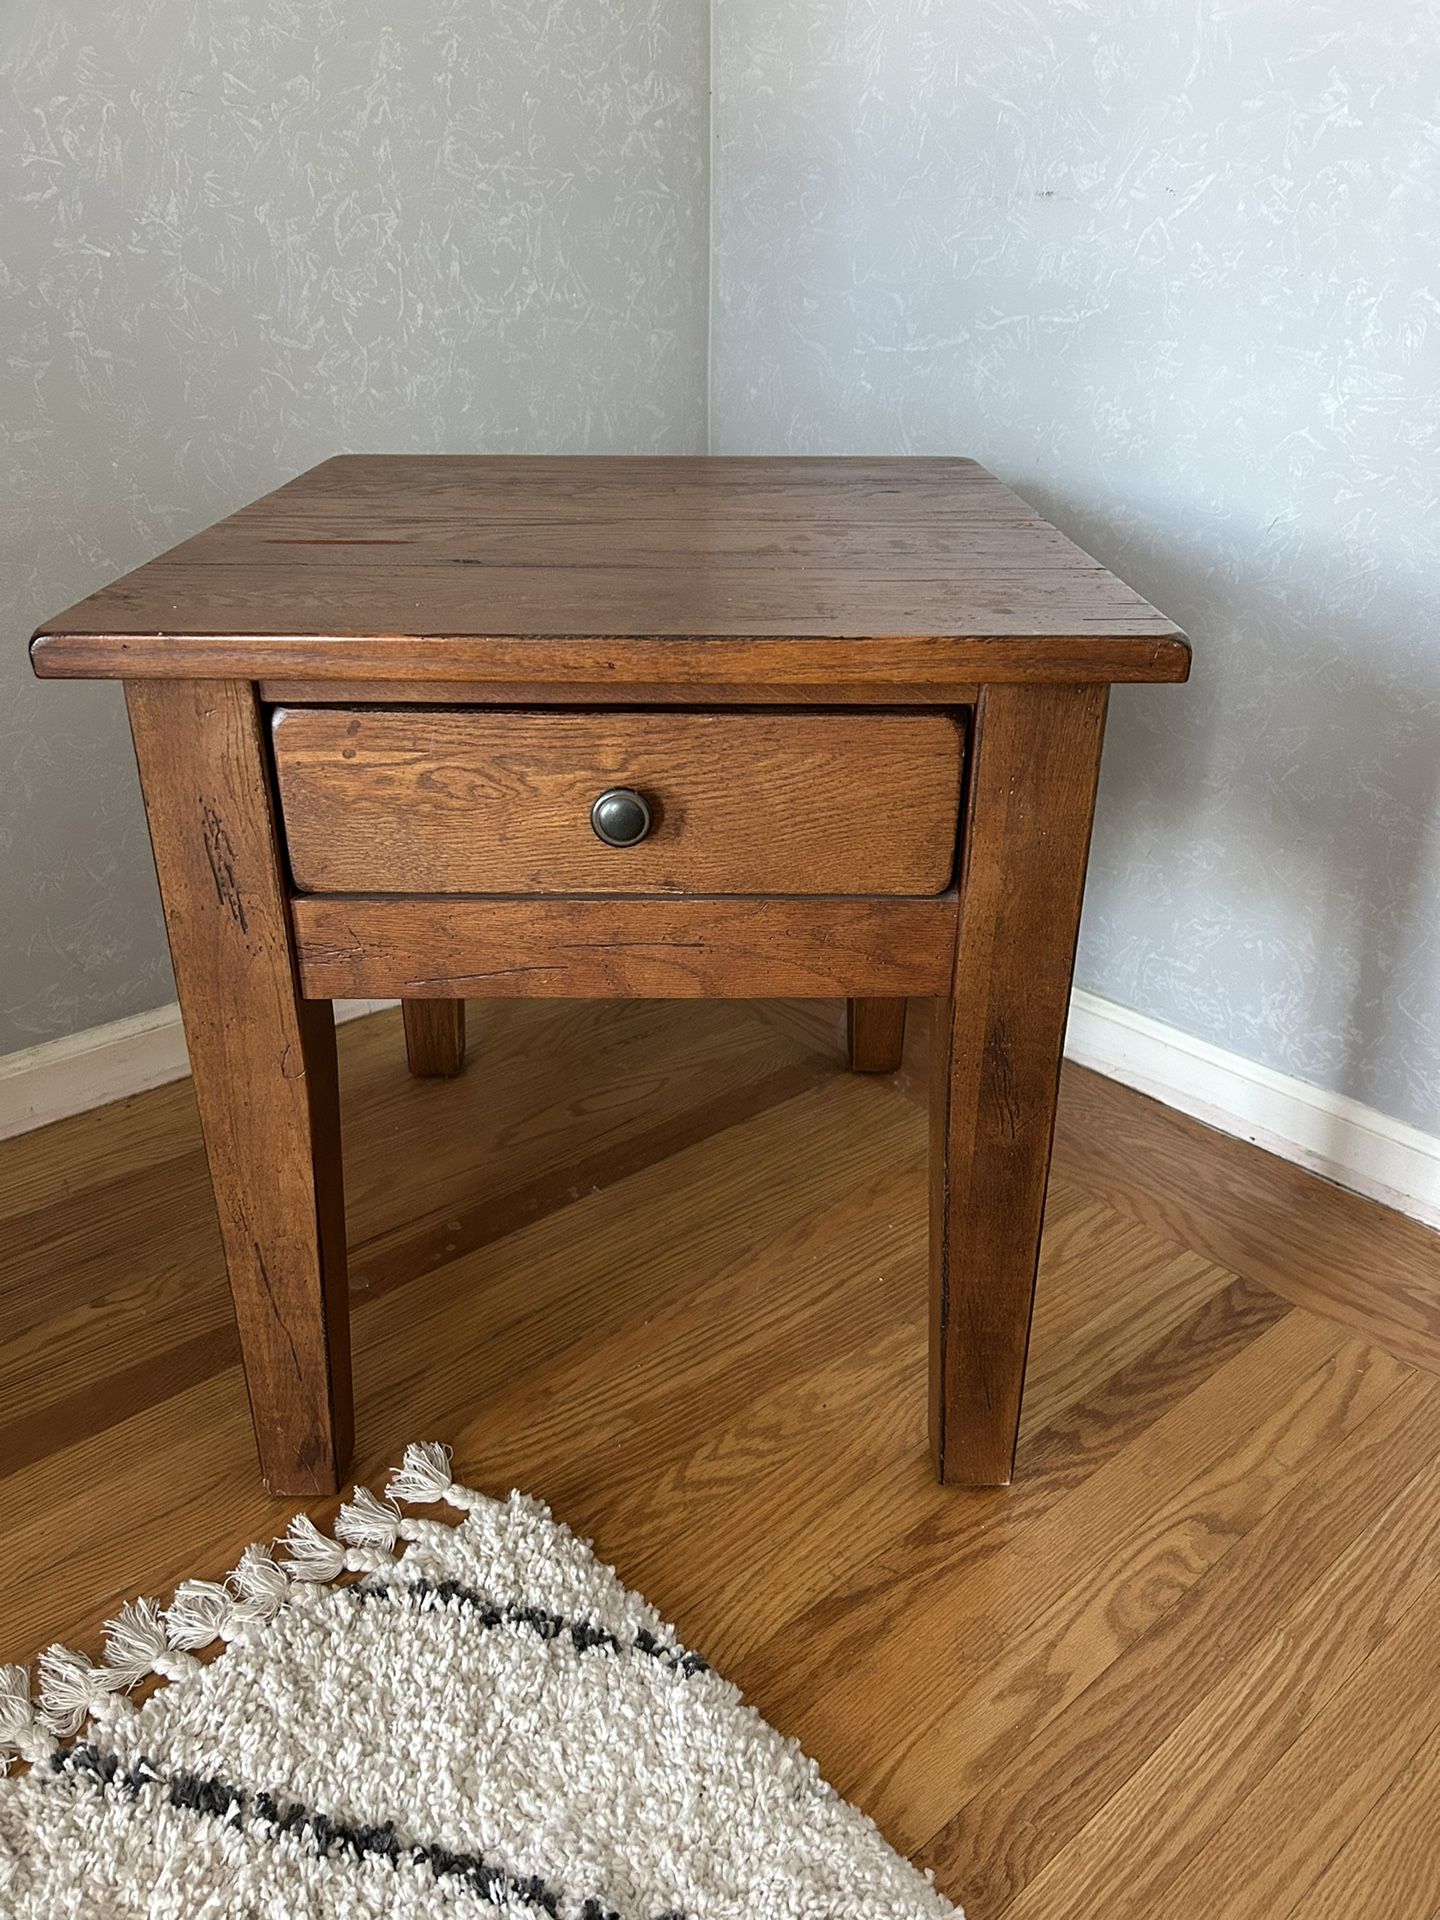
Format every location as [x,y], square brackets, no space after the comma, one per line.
[485,1720]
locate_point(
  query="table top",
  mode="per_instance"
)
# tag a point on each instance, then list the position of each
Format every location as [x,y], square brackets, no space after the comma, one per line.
[704,570]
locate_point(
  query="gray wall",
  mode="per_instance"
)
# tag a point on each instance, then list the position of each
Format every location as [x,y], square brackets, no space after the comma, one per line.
[235,239]
[1172,272]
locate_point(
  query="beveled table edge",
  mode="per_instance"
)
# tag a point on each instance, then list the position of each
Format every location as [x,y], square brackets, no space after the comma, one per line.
[639,659]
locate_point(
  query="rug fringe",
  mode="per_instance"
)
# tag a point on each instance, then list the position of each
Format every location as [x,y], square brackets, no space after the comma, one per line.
[367,1521]
[423,1478]
[146,1639]
[137,1645]
[259,1584]
[201,1613]
[73,1689]
[20,1731]
[312,1555]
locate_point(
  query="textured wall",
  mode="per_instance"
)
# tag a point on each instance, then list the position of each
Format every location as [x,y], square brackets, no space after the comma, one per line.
[1171,271]
[237,238]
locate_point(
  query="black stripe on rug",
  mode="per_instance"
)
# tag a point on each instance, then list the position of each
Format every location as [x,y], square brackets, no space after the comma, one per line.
[585,1636]
[335,1840]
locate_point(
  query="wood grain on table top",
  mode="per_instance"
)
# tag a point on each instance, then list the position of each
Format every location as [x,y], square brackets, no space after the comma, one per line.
[676,570]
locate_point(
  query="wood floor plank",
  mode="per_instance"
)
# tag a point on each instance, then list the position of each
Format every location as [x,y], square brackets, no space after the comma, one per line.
[926,1593]
[829,1457]
[1391,1864]
[101,1149]
[1130,1322]
[623,1090]
[430,1357]
[1080,1435]
[1327,1781]
[1078,1588]
[1337,1253]
[1041,1795]
[1100,1262]
[557,1108]
[860,1510]
[1045,1668]
[826,1458]
[1160,1840]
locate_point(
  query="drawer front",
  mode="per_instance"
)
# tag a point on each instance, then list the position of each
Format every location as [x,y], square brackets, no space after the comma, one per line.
[462,801]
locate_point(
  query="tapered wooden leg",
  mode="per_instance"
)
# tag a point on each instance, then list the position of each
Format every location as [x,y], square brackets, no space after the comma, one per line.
[263,1061]
[1035,758]
[876,1031]
[434,1037]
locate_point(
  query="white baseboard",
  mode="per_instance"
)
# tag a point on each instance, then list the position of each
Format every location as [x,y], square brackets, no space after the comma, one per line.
[1348,1143]
[90,1069]
[1351,1144]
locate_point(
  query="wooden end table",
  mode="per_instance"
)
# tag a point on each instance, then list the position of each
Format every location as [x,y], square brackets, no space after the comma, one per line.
[447,727]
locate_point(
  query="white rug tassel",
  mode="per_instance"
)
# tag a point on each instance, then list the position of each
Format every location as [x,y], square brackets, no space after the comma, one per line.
[201,1613]
[261,1586]
[367,1521]
[204,1611]
[73,1690]
[312,1555]
[20,1732]
[136,1645]
[423,1477]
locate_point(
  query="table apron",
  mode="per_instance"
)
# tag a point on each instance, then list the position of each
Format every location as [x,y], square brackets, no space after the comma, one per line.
[695,947]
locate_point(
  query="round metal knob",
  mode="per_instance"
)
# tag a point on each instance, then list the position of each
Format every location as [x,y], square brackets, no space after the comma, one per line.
[621,817]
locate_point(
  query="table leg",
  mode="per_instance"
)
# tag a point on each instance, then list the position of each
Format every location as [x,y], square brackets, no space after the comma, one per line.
[876,1030]
[1035,758]
[263,1062]
[434,1037]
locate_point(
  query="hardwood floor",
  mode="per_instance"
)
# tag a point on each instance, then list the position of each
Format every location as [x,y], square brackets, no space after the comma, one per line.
[664,1265]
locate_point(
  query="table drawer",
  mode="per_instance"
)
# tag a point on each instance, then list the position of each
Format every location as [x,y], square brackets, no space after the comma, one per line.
[421,800]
